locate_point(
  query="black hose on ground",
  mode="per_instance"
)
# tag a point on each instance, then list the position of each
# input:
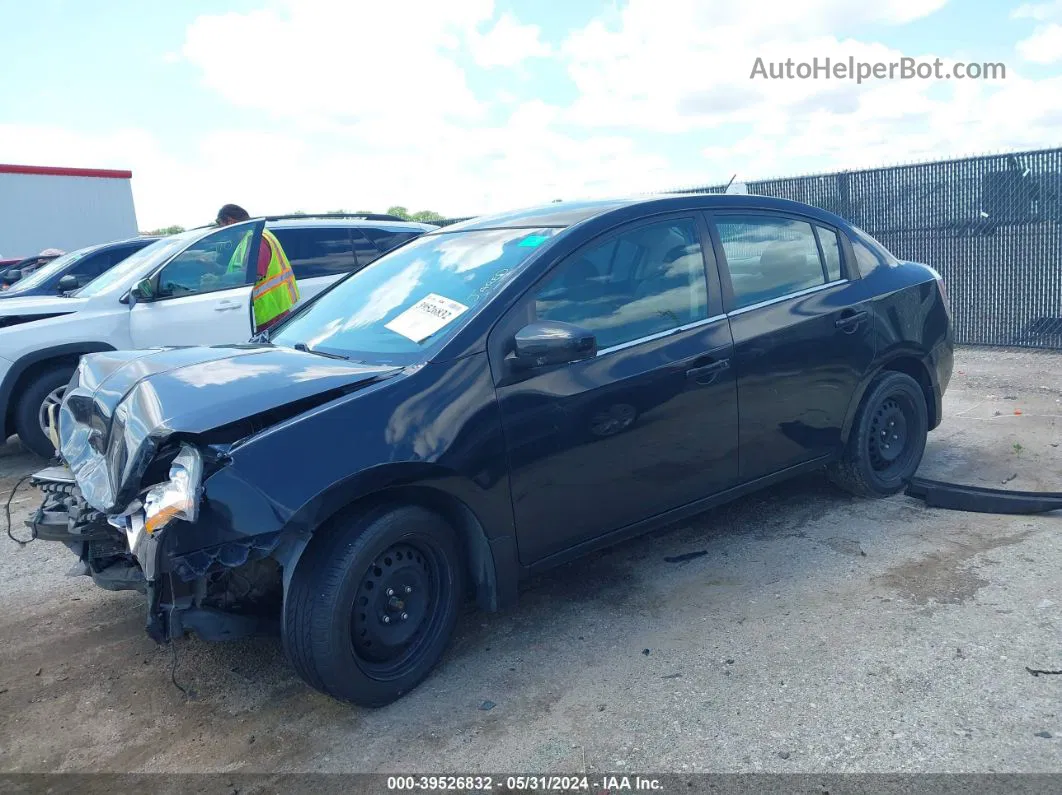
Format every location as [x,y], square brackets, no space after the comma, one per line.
[7,514]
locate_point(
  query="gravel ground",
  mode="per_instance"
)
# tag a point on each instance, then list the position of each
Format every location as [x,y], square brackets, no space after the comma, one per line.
[817,633]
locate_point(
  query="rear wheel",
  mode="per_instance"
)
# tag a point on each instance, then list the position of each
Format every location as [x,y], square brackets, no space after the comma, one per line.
[43,393]
[372,604]
[886,443]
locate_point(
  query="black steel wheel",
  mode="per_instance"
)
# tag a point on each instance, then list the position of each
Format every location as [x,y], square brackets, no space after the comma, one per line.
[373,602]
[887,440]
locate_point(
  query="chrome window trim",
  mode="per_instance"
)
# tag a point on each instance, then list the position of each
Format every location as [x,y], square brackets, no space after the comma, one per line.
[809,291]
[661,334]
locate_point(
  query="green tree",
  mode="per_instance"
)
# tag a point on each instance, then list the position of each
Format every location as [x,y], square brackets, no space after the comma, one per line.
[337,212]
[166,230]
[398,210]
[426,216]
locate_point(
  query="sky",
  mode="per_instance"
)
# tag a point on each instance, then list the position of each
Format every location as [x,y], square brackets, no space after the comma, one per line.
[474,106]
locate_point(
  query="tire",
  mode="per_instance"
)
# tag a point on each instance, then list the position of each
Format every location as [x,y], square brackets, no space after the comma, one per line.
[334,628]
[887,440]
[30,405]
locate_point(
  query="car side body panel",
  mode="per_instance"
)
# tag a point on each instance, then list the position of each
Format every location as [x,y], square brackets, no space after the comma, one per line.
[432,434]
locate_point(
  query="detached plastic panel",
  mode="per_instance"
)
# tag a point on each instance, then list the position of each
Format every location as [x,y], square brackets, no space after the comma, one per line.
[975,499]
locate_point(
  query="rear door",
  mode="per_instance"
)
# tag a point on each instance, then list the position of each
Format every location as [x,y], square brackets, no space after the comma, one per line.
[195,300]
[802,335]
[648,425]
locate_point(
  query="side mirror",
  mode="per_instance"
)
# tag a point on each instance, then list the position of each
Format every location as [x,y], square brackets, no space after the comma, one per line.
[68,283]
[548,342]
[143,290]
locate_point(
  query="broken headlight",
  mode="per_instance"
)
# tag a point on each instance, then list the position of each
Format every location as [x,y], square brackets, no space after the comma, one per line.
[177,498]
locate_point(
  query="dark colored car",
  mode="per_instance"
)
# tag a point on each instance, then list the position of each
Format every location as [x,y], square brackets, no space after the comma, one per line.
[490,399]
[76,269]
[14,271]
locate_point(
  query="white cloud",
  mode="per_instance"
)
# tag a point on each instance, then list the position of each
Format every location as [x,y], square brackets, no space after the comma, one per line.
[1038,11]
[1044,46]
[685,67]
[508,43]
[341,59]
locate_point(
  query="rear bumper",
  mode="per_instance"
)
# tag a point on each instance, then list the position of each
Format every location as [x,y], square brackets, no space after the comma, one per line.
[940,364]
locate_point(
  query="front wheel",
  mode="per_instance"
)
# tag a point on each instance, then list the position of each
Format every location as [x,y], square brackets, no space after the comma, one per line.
[43,393]
[886,443]
[372,604]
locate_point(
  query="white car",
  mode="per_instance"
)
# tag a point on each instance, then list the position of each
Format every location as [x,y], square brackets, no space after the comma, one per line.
[171,293]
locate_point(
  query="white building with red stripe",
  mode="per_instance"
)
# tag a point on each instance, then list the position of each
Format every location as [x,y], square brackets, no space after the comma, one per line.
[66,208]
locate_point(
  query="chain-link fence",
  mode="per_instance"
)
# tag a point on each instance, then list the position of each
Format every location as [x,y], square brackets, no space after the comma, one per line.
[991,225]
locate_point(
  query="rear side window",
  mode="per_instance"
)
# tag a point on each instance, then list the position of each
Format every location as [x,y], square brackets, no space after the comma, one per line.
[385,239]
[869,253]
[769,257]
[365,251]
[317,252]
[830,242]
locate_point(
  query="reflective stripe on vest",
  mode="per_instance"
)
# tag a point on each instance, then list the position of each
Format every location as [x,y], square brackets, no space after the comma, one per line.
[277,292]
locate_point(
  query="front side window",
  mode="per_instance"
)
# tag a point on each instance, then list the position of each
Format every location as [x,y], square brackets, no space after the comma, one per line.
[46,272]
[769,257]
[90,267]
[118,277]
[214,263]
[643,282]
[412,300]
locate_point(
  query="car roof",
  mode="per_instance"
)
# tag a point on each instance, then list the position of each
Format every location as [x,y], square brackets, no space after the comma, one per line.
[392,226]
[562,215]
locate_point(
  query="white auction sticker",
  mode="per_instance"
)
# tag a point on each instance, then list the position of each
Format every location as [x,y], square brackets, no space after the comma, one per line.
[426,317]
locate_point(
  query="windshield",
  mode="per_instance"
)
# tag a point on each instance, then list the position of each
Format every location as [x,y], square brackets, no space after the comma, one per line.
[129,267]
[46,271]
[413,299]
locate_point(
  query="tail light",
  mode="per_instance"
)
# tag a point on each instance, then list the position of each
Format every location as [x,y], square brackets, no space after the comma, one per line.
[942,289]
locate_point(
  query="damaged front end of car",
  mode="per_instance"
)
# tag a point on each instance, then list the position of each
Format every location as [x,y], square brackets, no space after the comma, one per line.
[138,449]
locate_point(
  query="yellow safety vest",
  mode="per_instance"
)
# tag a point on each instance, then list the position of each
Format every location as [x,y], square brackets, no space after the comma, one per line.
[275,293]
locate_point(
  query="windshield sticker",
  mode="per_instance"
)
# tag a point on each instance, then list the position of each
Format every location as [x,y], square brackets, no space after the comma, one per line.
[426,317]
[533,240]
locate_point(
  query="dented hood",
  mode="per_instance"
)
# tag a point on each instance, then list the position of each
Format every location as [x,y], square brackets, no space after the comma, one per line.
[121,406]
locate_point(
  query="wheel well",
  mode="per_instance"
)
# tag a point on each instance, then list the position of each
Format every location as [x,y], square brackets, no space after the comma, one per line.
[914,368]
[27,376]
[475,548]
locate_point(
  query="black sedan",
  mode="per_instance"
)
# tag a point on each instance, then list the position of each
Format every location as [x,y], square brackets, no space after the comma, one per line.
[485,401]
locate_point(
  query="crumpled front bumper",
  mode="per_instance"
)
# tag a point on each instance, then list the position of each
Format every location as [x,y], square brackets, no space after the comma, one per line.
[120,555]
[116,558]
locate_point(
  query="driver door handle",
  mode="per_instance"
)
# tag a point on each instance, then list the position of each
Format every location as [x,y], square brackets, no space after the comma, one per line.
[226,306]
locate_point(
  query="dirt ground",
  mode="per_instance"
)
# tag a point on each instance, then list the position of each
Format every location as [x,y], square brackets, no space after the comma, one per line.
[817,633]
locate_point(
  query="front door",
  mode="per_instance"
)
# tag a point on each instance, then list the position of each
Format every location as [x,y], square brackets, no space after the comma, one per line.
[802,336]
[648,425]
[196,299]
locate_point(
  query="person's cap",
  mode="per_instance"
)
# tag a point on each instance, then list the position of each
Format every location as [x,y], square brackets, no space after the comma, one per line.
[51,252]
[234,212]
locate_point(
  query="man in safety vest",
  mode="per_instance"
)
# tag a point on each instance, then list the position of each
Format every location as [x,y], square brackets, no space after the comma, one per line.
[275,290]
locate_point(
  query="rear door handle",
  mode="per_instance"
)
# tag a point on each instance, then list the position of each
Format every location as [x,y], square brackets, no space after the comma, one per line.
[706,373]
[849,319]
[226,306]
